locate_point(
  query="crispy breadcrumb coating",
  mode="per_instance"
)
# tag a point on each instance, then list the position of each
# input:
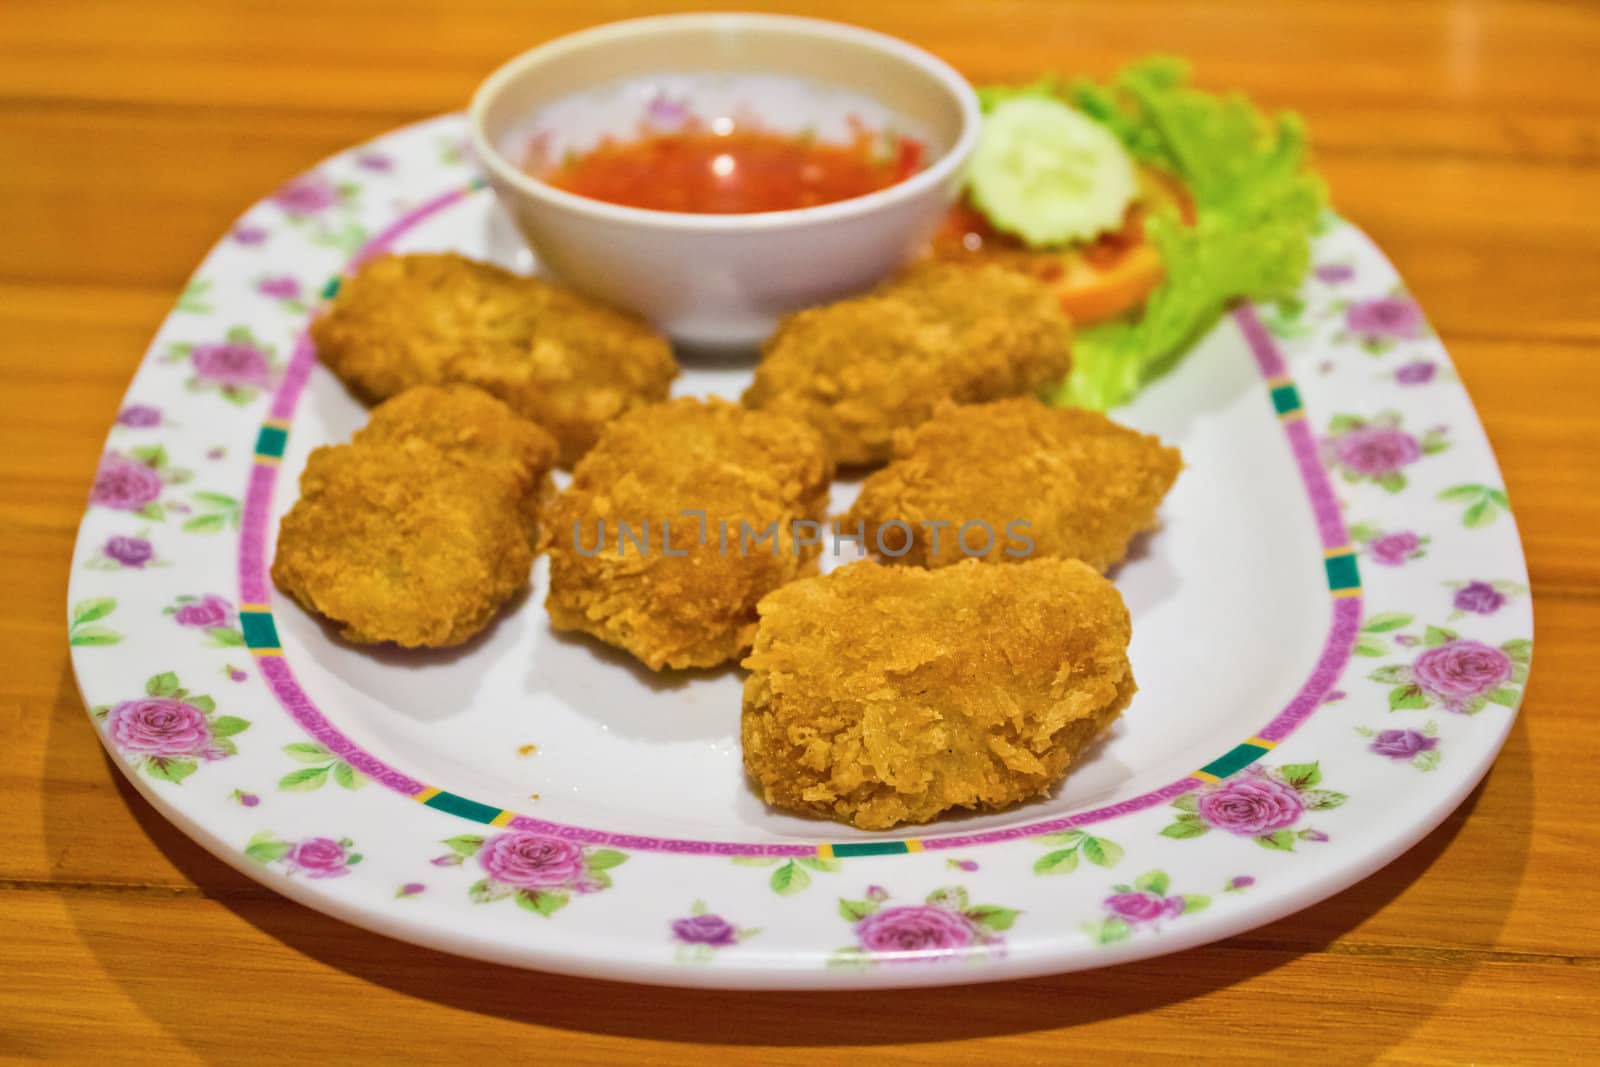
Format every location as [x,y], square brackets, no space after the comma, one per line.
[471,426]
[862,368]
[887,695]
[422,527]
[556,357]
[1083,485]
[697,609]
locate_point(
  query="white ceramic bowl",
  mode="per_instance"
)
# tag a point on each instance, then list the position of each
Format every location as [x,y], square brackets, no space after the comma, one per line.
[722,280]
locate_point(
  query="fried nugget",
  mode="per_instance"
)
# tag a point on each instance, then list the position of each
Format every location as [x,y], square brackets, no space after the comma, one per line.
[472,427]
[862,368]
[558,358]
[885,695]
[1030,480]
[680,590]
[418,530]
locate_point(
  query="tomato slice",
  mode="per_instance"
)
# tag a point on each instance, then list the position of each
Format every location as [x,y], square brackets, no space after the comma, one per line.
[1107,277]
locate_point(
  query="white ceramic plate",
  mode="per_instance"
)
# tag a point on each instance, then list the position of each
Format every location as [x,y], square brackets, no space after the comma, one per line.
[1331,636]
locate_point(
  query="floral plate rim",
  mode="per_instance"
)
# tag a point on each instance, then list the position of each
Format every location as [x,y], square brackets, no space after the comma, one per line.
[1145,897]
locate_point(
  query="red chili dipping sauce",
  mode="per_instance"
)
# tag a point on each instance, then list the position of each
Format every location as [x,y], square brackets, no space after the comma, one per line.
[742,171]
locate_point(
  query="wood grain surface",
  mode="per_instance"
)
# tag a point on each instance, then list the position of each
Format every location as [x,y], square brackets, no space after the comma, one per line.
[1465,137]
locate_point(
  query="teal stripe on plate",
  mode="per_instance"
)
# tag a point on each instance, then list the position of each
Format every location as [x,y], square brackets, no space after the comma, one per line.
[869,848]
[1342,572]
[1236,760]
[258,630]
[270,441]
[467,809]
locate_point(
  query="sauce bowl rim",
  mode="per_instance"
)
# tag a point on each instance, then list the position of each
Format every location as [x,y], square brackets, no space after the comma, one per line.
[934,174]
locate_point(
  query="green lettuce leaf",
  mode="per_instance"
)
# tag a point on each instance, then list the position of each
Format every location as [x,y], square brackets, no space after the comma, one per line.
[1256,208]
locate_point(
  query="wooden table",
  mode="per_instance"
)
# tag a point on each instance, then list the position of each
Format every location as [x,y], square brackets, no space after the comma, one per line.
[1465,137]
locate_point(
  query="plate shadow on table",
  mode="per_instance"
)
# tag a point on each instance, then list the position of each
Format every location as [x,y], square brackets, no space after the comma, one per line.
[768,1018]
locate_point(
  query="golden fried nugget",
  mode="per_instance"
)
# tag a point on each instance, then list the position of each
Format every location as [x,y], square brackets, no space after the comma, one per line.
[1031,480]
[680,590]
[470,425]
[420,529]
[556,357]
[885,695]
[859,369]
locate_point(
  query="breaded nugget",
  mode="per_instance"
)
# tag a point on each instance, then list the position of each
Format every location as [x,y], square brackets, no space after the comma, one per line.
[1083,485]
[862,368]
[471,426]
[418,530]
[885,695]
[557,358]
[684,601]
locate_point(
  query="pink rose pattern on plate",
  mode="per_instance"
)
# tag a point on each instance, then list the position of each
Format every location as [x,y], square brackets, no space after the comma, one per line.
[1417,372]
[180,733]
[1144,905]
[1481,597]
[306,195]
[126,552]
[1379,324]
[237,368]
[1389,548]
[1377,450]
[946,925]
[541,873]
[698,935]
[326,211]
[1458,674]
[169,732]
[139,416]
[312,857]
[286,291]
[126,484]
[1266,804]
[212,615]
[134,481]
[1419,748]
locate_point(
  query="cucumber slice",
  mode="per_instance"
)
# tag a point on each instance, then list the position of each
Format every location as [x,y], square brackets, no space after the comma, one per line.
[1048,174]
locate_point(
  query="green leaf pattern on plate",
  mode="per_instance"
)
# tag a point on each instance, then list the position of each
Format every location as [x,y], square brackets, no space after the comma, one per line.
[323,765]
